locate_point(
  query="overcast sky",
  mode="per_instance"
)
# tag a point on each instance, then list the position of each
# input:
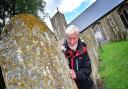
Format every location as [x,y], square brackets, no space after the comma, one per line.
[70,8]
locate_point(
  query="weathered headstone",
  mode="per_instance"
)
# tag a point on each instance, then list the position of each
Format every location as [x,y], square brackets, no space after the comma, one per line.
[30,58]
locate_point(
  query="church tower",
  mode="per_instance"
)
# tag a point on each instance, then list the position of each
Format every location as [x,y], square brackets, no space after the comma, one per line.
[59,24]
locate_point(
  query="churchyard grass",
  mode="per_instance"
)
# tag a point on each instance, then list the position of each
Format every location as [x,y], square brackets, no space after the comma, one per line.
[114,65]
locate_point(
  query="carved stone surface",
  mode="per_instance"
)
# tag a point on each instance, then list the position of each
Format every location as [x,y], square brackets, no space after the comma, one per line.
[30,58]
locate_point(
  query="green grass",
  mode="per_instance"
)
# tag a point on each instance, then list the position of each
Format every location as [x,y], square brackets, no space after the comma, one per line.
[114,65]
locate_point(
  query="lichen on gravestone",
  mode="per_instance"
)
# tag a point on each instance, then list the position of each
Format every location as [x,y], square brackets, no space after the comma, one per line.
[30,58]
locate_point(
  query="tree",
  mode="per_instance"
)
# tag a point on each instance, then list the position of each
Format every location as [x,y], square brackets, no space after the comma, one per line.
[29,6]
[9,8]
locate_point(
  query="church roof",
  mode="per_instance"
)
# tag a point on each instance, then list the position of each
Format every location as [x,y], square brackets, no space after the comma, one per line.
[97,10]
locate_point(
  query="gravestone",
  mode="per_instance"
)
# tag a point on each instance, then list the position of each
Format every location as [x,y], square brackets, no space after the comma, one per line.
[30,57]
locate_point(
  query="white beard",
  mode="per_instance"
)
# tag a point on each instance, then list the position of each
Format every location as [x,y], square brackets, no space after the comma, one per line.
[74,47]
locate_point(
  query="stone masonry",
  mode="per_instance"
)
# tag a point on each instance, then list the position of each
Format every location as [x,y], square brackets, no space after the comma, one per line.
[30,57]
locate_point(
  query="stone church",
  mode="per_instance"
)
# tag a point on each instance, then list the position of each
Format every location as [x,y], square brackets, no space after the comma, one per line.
[104,21]
[29,54]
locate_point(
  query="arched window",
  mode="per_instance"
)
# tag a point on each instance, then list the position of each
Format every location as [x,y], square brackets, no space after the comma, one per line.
[98,32]
[123,12]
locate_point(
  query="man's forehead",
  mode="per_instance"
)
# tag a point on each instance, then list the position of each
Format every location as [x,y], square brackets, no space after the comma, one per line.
[72,36]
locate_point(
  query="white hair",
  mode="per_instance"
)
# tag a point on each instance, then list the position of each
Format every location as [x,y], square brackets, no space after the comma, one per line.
[72,29]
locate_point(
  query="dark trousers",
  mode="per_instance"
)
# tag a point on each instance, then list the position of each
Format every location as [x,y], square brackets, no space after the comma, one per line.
[84,84]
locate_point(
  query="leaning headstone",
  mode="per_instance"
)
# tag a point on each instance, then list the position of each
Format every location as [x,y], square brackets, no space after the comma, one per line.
[30,58]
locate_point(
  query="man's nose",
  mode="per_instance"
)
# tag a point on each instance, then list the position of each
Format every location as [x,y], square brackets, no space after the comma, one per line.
[72,41]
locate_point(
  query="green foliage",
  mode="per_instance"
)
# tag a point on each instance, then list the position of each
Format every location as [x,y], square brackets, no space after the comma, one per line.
[9,8]
[114,65]
[29,6]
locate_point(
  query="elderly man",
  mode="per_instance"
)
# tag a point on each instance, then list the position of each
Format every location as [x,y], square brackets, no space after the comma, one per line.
[79,62]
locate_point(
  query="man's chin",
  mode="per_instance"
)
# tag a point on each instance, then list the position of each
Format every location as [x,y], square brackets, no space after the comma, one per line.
[73,47]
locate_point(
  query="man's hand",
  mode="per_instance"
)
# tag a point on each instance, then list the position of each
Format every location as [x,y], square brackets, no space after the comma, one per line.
[72,74]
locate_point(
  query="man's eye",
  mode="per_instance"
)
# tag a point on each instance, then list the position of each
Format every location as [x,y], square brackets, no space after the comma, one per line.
[70,38]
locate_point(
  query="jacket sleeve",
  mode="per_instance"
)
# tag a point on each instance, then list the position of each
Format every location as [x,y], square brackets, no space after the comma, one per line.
[85,71]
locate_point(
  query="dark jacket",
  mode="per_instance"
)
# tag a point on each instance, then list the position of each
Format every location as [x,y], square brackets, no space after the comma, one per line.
[80,62]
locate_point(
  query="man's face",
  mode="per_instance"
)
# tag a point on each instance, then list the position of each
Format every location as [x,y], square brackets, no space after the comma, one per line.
[72,40]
